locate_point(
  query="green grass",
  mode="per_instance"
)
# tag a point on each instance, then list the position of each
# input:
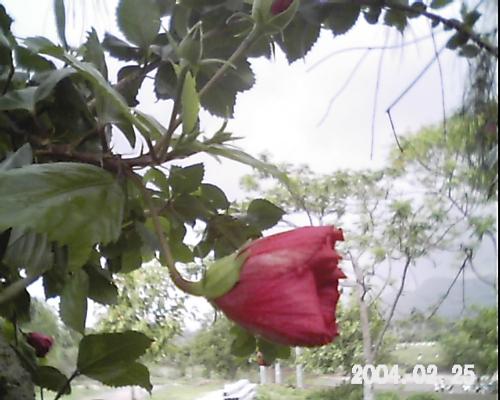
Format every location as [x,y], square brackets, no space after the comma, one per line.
[409,356]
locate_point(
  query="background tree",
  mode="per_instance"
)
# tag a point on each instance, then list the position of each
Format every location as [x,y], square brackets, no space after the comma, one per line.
[147,302]
[474,340]
[211,348]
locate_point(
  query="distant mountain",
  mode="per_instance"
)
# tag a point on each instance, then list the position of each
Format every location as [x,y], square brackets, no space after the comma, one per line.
[428,294]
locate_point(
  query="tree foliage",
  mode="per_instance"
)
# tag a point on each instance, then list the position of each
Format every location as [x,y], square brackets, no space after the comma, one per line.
[474,340]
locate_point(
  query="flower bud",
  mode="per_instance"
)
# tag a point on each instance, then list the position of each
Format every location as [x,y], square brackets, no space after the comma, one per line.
[40,342]
[280,6]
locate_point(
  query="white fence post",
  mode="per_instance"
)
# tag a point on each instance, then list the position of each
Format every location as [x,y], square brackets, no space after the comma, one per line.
[263,375]
[299,372]
[277,373]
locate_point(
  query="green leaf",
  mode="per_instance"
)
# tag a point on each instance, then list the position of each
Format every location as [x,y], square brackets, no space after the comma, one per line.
[437,4]
[49,80]
[457,40]
[73,306]
[272,351]
[23,156]
[235,154]
[158,178]
[165,81]
[106,351]
[342,17]
[134,81]
[120,49]
[74,204]
[94,53]
[123,374]
[397,19]
[221,102]
[264,214]
[214,197]
[101,287]
[139,20]
[30,61]
[51,378]
[42,45]
[190,104]
[244,343]
[372,14]
[21,99]
[60,12]
[186,180]
[28,250]
[298,38]
[470,51]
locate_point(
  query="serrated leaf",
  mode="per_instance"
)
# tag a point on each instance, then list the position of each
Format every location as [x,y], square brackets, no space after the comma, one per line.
[342,17]
[263,214]
[23,156]
[221,102]
[28,250]
[52,379]
[49,80]
[73,306]
[94,53]
[187,179]
[298,38]
[60,13]
[397,19]
[214,197]
[105,351]
[139,20]
[165,81]
[132,73]
[74,204]
[21,99]
[123,374]
[437,4]
[158,178]
[190,104]
[101,287]
[30,61]
[120,49]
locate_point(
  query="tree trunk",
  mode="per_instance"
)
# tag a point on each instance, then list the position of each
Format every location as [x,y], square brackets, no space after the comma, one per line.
[368,393]
[15,381]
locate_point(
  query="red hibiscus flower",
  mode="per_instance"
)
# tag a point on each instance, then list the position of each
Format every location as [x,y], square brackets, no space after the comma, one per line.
[40,342]
[288,287]
[280,6]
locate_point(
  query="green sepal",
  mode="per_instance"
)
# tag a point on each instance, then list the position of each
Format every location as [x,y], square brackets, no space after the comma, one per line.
[268,23]
[191,47]
[223,275]
[280,21]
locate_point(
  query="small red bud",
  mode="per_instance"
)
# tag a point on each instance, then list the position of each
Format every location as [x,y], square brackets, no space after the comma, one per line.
[280,6]
[40,342]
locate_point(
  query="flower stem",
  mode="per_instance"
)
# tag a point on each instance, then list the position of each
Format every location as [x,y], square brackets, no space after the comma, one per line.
[193,288]
[66,385]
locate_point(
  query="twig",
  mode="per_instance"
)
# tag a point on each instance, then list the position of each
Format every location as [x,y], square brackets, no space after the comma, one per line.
[452,285]
[344,86]
[388,321]
[17,287]
[375,100]
[66,385]
[441,79]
